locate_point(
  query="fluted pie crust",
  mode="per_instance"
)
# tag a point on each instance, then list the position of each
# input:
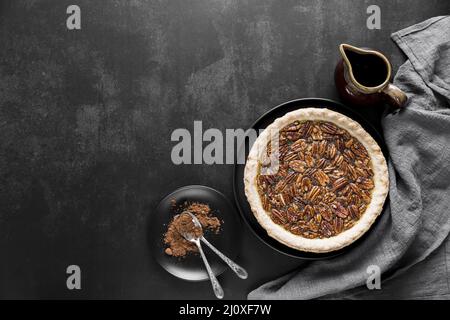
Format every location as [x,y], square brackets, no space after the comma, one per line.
[378,193]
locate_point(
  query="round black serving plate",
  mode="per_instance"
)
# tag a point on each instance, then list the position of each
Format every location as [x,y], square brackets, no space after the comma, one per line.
[191,267]
[238,178]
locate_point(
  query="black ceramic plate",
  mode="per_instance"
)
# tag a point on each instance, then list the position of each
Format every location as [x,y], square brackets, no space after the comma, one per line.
[191,267]
[238,183]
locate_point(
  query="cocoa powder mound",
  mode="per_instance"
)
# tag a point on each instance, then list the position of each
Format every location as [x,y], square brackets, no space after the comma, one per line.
[203,213]
[176,244]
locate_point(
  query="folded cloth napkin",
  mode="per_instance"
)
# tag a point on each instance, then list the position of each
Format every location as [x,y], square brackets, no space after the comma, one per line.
[410,244]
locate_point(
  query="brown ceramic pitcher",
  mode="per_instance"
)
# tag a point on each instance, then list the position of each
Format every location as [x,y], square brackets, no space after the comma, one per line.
[362,77]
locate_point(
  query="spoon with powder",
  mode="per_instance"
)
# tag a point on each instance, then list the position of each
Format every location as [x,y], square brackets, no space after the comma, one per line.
[240,272]
[193,232]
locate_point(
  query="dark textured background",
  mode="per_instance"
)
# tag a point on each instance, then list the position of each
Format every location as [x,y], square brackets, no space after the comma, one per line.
[86,118]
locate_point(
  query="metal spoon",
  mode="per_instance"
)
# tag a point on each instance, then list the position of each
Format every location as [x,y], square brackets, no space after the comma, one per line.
[218,291]
[240,272]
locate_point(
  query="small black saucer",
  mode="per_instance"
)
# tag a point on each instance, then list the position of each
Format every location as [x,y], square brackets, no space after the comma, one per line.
[228,240]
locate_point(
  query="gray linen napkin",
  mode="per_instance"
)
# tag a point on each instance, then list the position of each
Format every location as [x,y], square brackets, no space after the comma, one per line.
[410,243]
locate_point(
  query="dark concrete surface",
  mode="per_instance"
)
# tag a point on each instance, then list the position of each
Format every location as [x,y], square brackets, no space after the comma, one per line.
[86,118]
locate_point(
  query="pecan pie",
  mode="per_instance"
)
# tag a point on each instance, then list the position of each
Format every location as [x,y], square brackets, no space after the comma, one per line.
[316,180]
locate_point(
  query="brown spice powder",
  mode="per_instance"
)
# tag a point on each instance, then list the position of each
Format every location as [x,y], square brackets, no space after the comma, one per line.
[177,245]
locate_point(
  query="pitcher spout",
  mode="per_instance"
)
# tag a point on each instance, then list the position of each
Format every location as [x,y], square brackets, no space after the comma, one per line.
[368,70]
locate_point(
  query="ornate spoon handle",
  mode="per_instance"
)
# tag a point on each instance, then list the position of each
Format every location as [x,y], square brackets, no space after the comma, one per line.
[241,272]
[218,291]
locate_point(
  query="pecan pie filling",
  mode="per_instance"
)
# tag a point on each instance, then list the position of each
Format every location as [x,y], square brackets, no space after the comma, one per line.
[324,180]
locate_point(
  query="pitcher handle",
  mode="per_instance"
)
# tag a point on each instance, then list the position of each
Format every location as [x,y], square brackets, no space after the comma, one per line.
[394,96]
